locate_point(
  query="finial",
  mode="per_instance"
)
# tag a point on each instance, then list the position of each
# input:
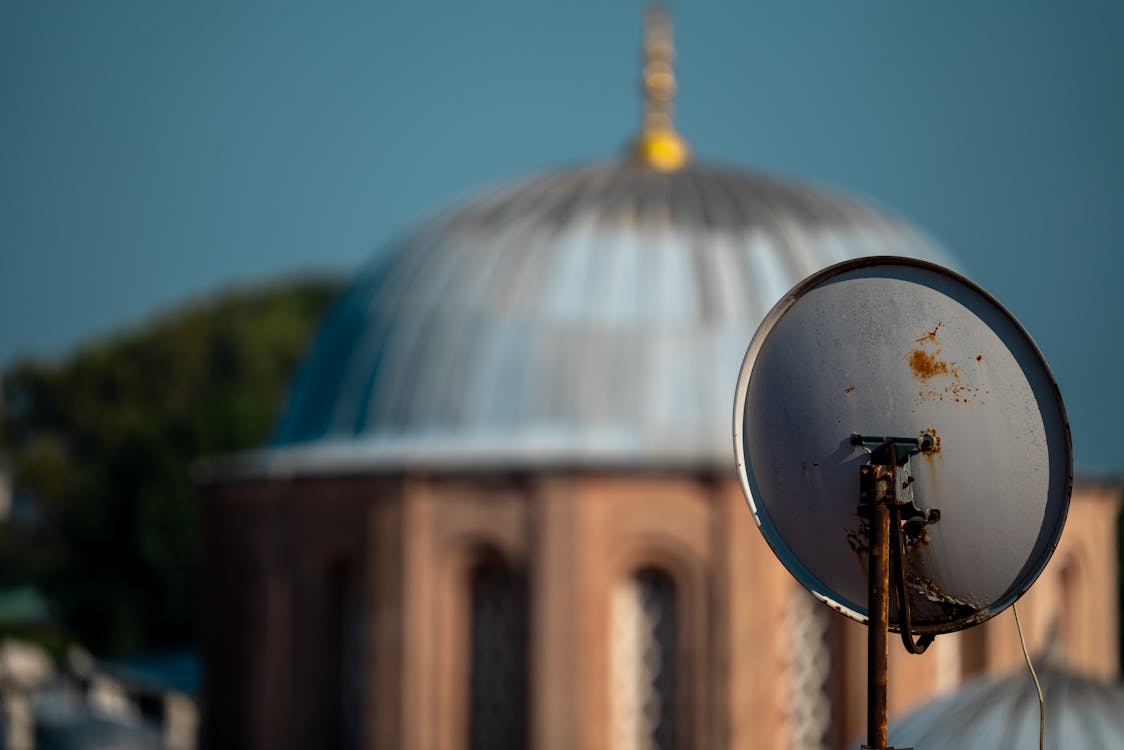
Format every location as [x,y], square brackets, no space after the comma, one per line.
[658,145]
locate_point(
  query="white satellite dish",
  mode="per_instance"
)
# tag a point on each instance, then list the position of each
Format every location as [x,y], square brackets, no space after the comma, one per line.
[898,347]
[904,450]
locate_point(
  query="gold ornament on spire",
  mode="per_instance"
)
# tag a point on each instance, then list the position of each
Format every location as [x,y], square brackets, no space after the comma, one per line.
[658,145]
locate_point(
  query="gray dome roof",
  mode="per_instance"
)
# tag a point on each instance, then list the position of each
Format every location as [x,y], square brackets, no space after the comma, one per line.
[593,316]
[1002,714]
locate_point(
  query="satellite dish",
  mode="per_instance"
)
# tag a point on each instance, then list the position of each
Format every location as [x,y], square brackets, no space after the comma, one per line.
[899,347]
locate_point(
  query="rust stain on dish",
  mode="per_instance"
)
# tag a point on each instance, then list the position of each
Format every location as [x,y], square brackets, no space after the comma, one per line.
[930,336]
[917,539]
[926,365]
[849,389]
[929,603]
[858,541]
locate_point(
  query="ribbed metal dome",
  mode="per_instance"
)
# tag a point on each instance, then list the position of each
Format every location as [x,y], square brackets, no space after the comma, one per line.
[1002,714]
[591,316]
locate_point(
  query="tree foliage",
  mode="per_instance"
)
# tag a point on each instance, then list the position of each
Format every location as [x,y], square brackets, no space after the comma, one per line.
[100,447]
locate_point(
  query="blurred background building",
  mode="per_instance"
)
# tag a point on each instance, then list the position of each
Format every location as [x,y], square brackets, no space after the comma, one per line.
[500,508]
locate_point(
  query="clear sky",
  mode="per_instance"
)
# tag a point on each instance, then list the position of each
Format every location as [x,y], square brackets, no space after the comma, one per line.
[152,153]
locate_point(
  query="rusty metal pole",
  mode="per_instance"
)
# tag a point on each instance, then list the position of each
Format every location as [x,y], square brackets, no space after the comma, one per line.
[879,486]
[878,627]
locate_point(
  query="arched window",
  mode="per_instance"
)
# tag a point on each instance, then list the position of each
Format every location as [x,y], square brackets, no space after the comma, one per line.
[497,658]
[341,696]
[644,680]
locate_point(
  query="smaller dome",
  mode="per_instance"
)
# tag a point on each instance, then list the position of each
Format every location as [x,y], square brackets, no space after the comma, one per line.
[1002,714]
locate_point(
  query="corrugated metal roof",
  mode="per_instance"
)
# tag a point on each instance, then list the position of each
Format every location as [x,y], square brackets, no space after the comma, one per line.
[596,315]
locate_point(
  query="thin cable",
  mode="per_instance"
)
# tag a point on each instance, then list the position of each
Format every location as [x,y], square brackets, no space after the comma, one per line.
[1037,686]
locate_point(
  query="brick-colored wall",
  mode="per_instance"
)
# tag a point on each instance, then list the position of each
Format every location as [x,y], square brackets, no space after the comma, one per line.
[276,552]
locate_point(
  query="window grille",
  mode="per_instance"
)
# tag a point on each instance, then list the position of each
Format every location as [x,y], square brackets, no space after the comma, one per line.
[807,670]
[644,669]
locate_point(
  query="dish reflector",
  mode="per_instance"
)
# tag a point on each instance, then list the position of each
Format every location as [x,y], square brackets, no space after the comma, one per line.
[895,346]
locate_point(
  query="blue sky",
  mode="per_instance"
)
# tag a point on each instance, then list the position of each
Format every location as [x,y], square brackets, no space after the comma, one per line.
[152,153]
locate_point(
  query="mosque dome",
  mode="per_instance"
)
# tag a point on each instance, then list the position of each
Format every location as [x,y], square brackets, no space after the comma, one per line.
[591,316]
[1003,714]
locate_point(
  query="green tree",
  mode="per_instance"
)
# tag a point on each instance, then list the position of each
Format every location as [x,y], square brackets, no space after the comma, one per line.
[100,445]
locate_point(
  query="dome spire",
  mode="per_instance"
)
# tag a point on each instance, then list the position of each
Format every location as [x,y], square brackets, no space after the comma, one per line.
[658,145]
